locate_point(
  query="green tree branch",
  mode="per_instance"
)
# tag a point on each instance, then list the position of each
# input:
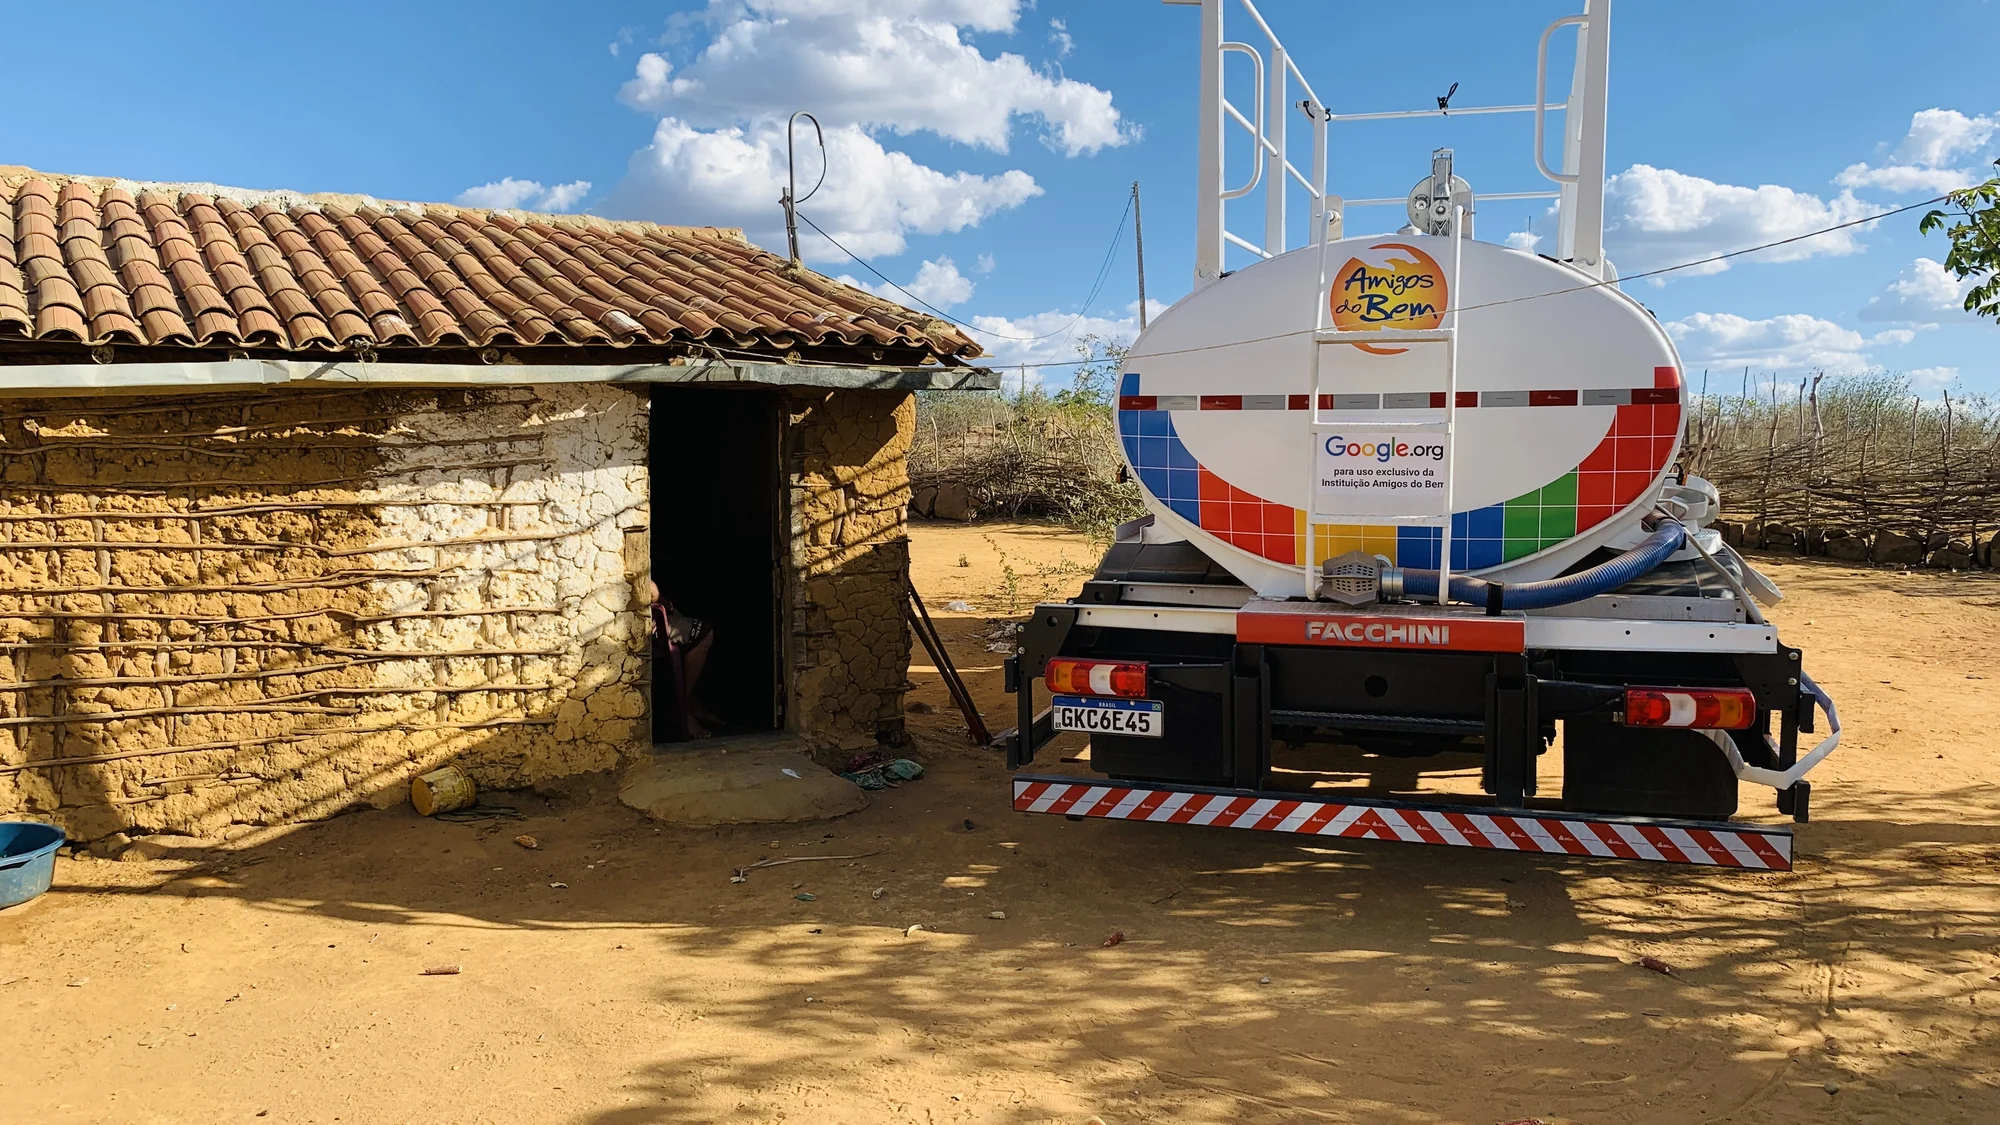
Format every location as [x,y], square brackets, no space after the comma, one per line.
[1974,231]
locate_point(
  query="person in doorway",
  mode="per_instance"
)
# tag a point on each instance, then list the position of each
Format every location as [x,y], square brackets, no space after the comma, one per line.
[685,642]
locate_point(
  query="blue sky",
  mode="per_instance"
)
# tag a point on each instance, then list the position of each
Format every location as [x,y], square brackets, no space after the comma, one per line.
[982,149]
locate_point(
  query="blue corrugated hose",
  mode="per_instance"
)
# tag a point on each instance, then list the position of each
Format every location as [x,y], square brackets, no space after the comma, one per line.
[1421,585]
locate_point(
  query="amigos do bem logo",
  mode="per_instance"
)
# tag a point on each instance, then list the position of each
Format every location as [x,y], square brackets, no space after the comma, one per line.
[1389,285]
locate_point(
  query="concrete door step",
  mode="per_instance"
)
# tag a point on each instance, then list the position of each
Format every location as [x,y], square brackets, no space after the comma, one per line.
[721,784]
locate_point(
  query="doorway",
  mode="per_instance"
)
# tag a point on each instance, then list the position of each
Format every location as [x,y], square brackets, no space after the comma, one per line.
[717,520]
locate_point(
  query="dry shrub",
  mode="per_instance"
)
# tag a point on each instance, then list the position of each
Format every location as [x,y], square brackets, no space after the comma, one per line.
[1031,454]
[1851,455]
[1023,458]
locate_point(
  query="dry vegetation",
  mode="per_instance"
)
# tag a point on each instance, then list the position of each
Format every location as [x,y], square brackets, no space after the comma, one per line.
[1860,469]
[1031,453]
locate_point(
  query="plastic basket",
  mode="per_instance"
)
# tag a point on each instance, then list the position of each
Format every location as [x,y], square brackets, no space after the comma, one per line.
[27,859]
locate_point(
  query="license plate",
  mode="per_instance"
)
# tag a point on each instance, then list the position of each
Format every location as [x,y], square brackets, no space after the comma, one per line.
[1140,718]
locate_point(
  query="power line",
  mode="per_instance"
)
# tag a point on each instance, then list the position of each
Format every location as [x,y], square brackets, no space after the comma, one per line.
[1103,271]
[1490,304]
[1709,260]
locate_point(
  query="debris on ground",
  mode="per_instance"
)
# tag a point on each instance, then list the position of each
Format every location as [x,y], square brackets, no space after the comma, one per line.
[806,896]
[879,892]
[443,790]
[867,760]
[1117,936]
[919,707]
[1656,965]
[997,915]
[478,813]
[559,886]
[969,826]
[959,607]
[887,775]
[742,874]
[913,930]
[528,842]
[439,971]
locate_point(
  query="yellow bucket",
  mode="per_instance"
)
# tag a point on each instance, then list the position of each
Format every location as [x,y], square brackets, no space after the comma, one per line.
[442,790]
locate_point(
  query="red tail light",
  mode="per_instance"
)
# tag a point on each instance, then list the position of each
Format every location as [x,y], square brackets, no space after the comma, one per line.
[1698,708]
[1096,677]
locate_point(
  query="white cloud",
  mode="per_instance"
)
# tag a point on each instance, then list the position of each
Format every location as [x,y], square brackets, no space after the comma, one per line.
[1780,343]
[509,193]
[937,283]
[891,64]
[1903,179]
[1922,162]
[1524,240]
[983,264]
[871,199]
[1932,378]
[1938,135]
[1658,217]
[940,283]
[1006,338]
[866,68]
[1925,293]
[1060,36]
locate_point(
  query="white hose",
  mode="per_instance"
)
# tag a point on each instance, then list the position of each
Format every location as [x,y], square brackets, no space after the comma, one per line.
[1784,779]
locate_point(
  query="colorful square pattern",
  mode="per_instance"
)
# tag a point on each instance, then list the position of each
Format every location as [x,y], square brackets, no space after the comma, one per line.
[1617,472]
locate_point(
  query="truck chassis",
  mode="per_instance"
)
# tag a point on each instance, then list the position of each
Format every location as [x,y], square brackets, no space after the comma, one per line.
[1242,682]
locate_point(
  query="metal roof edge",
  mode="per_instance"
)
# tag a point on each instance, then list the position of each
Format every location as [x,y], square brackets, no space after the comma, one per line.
[117,378]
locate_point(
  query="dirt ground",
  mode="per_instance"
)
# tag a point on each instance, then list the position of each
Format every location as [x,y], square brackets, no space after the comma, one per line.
[616,976]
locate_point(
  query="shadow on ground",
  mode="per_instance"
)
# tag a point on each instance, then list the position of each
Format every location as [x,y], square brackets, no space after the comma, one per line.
[1404,984]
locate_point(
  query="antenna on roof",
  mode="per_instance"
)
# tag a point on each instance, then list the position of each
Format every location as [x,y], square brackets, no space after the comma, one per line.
[790,199]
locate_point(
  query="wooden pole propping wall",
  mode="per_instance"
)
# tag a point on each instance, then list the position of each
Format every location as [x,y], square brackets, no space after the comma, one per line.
[920,624]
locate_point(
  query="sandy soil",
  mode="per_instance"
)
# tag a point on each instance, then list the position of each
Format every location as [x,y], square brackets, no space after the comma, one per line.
[281,977]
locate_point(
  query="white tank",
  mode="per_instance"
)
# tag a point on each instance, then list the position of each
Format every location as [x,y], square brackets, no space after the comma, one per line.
[1569,412]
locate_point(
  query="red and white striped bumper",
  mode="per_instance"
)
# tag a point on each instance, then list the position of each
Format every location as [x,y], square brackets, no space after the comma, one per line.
[1610,837]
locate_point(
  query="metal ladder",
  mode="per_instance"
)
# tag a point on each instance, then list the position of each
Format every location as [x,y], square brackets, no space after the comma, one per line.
[1446,334]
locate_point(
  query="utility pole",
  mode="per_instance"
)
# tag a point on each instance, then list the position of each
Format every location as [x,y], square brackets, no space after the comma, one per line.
[1139,244]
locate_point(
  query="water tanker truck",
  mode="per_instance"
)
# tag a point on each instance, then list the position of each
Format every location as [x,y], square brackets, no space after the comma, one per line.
[1416,496]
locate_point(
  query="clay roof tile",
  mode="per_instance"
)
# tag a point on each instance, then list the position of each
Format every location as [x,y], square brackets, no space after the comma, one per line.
[89,260]
[164,326]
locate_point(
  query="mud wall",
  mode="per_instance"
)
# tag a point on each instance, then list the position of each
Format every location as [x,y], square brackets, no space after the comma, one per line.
[252,608]
[850,557]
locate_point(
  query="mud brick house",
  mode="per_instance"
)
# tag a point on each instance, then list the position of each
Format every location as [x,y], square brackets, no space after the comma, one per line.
[301,495]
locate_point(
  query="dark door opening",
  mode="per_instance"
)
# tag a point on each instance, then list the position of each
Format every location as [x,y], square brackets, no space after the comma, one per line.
[716,521]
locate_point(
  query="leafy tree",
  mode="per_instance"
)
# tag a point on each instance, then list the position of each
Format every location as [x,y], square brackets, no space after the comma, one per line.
[1975,242]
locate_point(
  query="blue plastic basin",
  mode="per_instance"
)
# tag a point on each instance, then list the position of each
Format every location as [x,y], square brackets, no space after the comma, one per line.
[27,859]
